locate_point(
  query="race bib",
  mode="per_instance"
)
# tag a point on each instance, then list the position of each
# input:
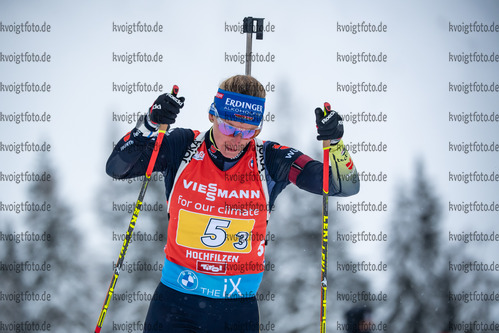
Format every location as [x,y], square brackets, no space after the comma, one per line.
[207,232]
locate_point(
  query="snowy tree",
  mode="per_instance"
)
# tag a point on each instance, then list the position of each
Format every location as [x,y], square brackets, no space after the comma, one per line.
[458,288]
[55,248]
[11,283]
[418,286]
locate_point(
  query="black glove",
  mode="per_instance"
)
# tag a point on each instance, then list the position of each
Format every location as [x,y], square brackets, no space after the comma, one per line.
[329,126]
[165,109]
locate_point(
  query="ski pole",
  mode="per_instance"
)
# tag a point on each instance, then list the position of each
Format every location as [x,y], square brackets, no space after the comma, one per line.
[138,206]
[249,29]
[325,191]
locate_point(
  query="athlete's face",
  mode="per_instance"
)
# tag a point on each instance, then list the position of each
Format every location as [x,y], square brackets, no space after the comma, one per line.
[229,145]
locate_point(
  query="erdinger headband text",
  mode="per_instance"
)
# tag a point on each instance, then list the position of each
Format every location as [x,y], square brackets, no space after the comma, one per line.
[238,107]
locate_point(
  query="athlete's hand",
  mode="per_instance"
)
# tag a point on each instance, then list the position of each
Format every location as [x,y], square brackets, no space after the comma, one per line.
[329,124]
[165,109]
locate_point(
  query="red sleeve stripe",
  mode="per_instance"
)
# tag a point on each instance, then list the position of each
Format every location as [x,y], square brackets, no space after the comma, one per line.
[297,167]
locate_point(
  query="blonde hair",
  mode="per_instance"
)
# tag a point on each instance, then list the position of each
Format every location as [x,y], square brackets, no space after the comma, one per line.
[244,84]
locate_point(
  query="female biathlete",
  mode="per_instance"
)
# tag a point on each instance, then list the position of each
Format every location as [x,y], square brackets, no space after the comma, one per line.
[221,186]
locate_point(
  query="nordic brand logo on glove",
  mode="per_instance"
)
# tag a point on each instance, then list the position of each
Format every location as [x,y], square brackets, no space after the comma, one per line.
[179,101]
[165,109]
[329,124]
[325,120]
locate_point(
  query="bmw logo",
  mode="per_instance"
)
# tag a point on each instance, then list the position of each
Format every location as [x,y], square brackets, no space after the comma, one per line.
[188,280]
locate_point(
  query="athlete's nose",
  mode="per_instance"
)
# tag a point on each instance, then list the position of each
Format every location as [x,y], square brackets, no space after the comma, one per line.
[238,136]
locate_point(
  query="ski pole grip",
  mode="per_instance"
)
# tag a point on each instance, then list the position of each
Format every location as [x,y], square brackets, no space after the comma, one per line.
[164,127]
[175,90]
[157,145]
[327,109]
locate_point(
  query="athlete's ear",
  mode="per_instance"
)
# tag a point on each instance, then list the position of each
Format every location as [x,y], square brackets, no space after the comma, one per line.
[211,117]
